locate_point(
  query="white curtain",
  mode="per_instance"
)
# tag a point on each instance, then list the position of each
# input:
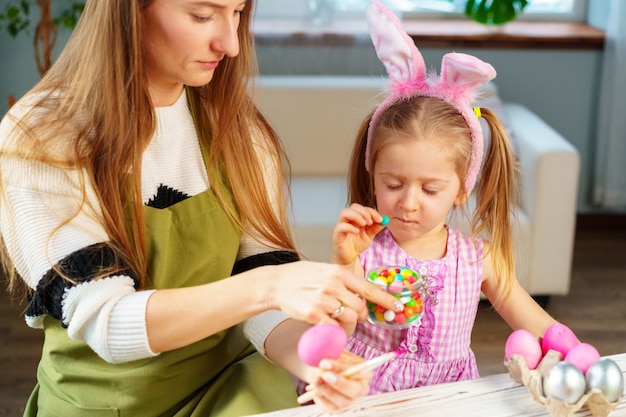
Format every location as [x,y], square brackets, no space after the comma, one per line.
[610,164]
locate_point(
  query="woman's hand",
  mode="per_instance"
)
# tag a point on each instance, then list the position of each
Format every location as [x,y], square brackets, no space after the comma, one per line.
[355,229]
[316,292]
[335,392]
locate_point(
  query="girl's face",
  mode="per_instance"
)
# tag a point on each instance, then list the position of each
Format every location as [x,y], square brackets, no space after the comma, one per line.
[185,40]
[415,185]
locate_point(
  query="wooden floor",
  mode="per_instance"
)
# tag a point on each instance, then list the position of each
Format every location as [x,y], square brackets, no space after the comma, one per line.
[595,309]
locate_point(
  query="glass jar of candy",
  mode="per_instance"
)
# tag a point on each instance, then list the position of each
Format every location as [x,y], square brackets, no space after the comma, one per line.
[404,284]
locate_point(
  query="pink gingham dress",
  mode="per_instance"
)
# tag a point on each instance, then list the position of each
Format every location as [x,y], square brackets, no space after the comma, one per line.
[438,350]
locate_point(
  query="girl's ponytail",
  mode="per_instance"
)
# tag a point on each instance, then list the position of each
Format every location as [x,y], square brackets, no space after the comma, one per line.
[360,186]
[496,199]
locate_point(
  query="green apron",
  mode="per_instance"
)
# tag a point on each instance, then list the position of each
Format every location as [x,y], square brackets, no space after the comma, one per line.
[190,243]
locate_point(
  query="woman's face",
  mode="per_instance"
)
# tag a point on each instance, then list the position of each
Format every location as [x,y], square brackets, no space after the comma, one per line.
[185,40]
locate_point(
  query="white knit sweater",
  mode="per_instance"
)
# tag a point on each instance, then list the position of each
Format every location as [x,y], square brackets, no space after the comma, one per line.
[108,314]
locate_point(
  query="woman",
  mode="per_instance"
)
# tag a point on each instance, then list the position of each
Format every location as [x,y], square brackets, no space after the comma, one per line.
[137,177]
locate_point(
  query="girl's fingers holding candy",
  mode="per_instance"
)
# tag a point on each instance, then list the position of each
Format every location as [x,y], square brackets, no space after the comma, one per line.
[356,214]
[346,228]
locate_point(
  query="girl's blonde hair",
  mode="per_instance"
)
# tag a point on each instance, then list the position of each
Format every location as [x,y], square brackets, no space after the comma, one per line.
[93,115]
[426,118]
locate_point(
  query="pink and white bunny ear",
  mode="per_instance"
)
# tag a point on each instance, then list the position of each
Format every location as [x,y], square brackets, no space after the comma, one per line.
[461,75]
[401,58]
[396,50]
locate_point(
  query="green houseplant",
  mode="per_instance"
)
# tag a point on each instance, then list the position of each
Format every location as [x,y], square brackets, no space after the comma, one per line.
[494,12]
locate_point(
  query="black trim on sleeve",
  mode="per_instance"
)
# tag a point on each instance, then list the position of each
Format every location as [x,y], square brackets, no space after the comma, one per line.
[81,266]
[262,259]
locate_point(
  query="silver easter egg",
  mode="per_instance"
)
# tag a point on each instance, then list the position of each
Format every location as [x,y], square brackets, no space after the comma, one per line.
[564,382]
[606,376]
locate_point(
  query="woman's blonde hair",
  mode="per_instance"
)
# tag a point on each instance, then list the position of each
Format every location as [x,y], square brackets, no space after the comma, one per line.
[95,99]
[426,118]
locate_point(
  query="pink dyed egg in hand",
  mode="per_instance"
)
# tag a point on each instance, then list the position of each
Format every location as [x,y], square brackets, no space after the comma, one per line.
[321,341]
[558,337]
[582,356]
[524,343]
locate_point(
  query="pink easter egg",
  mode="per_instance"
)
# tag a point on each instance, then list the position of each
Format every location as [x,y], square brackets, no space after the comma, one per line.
[524,343]
[582,356]
[558,337]
[321,341]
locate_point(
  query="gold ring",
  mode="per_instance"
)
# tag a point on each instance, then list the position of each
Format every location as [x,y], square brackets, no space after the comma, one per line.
[338,312]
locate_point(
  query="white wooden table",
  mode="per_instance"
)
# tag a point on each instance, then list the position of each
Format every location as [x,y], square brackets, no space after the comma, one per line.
[491,396]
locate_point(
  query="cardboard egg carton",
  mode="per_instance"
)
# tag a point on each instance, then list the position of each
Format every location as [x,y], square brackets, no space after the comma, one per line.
[533,380]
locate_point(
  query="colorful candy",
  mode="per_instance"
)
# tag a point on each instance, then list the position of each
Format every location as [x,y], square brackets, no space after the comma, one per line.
[404,284]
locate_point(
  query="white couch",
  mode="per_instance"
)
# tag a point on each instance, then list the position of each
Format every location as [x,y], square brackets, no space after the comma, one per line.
[317,118]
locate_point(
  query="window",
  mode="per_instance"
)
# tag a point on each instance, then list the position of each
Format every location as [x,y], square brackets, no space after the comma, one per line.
[323,11]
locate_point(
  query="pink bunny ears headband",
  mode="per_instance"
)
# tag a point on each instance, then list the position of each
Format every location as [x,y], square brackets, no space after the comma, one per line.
[461,75]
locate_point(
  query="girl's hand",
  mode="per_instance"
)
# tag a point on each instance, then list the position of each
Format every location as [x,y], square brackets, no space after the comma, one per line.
[355,229]
[334,392]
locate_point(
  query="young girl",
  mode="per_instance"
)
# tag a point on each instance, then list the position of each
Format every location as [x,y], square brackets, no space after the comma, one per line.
[416,158]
